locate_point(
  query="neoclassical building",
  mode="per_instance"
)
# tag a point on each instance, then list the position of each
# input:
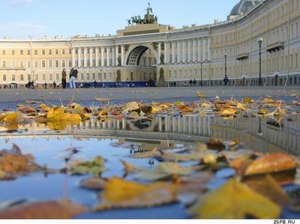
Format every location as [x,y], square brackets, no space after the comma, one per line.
[260,41]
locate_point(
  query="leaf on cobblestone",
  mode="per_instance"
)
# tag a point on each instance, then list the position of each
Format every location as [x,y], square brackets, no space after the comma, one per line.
[44,210]
[58,114]
[235,200]
[119,193]
[10,117]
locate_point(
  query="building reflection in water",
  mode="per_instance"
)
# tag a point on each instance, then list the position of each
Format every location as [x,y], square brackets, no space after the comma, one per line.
[256,133]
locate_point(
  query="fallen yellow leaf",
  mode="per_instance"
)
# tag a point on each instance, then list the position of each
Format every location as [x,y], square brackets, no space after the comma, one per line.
[120,193]
[235,200]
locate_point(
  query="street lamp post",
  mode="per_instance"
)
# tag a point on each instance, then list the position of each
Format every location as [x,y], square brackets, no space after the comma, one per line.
[226,78]
[260,40]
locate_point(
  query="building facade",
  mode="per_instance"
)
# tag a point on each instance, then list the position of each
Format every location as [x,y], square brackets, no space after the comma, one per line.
[147,53]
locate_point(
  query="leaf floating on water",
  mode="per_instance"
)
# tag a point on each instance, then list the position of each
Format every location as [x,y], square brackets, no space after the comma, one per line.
[93,183]
[162,171]
[94,167]
[241,163]
[44,210]
[269,187]
[119,193]
[235,200]
[13,162]
[270,163]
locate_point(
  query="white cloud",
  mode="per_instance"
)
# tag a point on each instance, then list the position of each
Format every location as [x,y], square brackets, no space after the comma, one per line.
[22,29]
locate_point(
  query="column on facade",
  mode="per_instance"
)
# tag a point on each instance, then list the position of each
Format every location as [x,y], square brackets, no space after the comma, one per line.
[79,57]
[178,52]
[159,54]
[107,56]
[91,57]
[97,57]
[73,57]
[116,55]
[189,51]
[183,52]
[199,50]
[84,57]
[194,51]
[102,56]
[173,52]
[204,50]
[208,49]
[122,55]
[166,52]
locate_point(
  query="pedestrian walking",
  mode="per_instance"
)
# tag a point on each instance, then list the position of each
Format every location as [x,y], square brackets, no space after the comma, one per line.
[73,77]
[64,79]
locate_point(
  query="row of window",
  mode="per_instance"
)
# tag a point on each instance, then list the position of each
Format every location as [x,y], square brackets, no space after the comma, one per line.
[35,52]
[56,77]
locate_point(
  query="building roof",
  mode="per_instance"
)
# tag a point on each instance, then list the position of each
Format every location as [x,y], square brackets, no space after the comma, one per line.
[243,7]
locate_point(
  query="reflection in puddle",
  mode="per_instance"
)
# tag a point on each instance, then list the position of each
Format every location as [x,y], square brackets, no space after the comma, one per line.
[117,140]
[258,133]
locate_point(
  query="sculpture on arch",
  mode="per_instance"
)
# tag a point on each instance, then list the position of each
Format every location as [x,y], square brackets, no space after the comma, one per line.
[149,18]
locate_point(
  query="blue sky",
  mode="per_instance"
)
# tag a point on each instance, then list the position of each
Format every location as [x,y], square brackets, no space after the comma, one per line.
[24,18]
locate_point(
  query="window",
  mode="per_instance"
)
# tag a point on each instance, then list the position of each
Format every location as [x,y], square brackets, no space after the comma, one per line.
[56,51]
[94,76]
[13,78]
[56,64]
[50,52]
[13,52]
[35,52]
[29,77]
[28,52]
[43,64]
[21,52]
[35,64]
[88,76]
[28,64]
[22,64]
[57,77]
[22,77]
[63,63]
[43,52]
[3,64]
[50,77]
[63,51]
[4,77]
[44,77]
[50,63]
[3,52]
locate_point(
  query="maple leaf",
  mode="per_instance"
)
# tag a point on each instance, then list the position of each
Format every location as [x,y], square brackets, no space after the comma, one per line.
[44,210]
[235,200]
[58,114]
[120,193]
